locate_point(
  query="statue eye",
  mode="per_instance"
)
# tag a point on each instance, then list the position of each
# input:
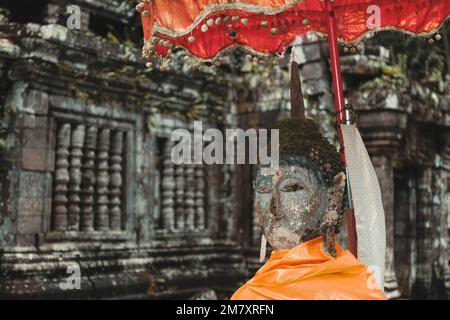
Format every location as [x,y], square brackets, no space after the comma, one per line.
[264,185]
[292,187]
[264,189]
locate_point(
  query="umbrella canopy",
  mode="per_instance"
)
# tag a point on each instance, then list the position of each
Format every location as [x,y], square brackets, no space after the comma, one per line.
[206,28]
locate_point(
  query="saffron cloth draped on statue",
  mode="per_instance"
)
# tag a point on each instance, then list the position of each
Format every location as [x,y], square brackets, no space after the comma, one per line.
[305,272]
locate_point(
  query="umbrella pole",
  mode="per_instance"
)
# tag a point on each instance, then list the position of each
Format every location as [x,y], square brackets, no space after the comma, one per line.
[341,114]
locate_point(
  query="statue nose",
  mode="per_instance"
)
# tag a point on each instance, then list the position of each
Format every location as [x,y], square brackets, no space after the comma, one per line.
[275,211]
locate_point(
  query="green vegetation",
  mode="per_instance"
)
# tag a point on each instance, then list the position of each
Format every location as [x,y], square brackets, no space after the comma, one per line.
[418,59]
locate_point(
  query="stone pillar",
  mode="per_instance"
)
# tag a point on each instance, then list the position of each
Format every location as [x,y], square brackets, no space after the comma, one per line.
[200,187]
[179,197]
[115,204]
[59,222]
[422,286]
[447,225]
[405,215]
[102,182]
[76,152]
[432,229]
[441,236]
[33,187]
[168,187]
[88,181]
[189,198]
[385,174]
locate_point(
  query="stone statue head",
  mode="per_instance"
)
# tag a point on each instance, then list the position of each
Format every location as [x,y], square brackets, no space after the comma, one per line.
[302,198]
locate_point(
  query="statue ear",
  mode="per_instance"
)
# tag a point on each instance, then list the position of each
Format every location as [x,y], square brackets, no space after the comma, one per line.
[331,220]
[262,250]
[259,215]
[337,195]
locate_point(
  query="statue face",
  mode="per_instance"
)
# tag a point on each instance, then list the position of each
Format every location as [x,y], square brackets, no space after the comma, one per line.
[290,202]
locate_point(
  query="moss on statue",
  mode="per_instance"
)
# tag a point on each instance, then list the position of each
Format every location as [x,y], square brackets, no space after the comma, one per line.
[302,137]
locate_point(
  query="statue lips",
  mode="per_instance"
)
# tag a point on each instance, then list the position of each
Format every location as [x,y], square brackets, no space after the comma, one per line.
[280,235]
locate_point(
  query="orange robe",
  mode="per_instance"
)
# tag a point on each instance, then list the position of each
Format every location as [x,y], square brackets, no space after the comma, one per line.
[305,272]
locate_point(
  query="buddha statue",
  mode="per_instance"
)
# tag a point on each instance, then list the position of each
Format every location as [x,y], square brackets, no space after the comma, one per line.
[299,206]
[302,198]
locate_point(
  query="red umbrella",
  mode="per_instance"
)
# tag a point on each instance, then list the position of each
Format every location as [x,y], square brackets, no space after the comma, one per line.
[206,29]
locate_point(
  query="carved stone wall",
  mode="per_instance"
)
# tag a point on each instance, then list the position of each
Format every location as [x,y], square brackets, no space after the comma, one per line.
[182,189]
[87,179]
[402,127]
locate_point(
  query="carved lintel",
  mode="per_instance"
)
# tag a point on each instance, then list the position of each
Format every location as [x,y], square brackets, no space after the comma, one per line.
[382,130]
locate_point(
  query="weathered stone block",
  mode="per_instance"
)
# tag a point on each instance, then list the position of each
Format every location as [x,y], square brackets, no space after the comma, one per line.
[382,120]
[25,239]
[313,87]
[34,138]
[312,71]
[34,185]
[30,206]
[400,228]
[47,212]
[38,159]
[29,224]
[32,121]
[37,101]
[326,102]
[7,230]
[307,53]
[55,32]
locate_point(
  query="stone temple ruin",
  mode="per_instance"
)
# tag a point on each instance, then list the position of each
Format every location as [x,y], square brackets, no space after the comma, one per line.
[86,178]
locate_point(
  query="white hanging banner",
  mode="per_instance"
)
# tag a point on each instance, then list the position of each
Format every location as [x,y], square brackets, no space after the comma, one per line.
[368,206]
